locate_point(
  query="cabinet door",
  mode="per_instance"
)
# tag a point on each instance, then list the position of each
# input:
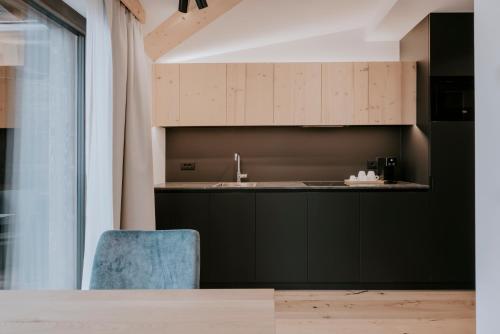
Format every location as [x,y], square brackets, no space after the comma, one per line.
[338,93]
[452,201]
[281,237]
[202,94]
[395,237]
[297,94]
[333,234]
[185,211]
[236,93]
[3,96]
[385,93]
[166,101]
[232,238]
[259,100]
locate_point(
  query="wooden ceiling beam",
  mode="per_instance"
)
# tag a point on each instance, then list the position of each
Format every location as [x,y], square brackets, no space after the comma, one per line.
[180,26]
[135,7]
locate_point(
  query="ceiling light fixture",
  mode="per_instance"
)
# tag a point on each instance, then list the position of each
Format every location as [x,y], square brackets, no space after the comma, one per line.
[202,4]
[183,5]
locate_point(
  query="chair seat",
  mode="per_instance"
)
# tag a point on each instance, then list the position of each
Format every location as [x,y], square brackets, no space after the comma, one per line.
[147,260]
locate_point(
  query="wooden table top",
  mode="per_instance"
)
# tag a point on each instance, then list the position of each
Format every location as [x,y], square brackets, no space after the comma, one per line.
[138,311]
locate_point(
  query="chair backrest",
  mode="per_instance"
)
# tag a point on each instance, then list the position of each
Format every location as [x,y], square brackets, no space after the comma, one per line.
[147,260]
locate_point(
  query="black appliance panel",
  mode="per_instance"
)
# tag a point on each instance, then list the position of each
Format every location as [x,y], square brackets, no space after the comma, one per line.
[452,98]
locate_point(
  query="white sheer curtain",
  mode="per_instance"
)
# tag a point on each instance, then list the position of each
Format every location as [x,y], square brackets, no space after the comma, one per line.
[120,192]
[98,132]
[42,250]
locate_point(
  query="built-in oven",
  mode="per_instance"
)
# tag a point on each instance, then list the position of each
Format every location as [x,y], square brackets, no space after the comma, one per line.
[452,98]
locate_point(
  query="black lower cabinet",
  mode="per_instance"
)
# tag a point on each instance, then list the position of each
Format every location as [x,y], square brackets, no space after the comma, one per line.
[281,237]
[231,233]
[395,237]
[333,237]
[186,211]
[452,201]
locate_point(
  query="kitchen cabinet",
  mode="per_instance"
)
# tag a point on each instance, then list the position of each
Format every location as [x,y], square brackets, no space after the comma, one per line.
[451,44]
[250,94]
[328,239]
[6,96]
[452,201]
[202,94]
[231,234]
[297,94]
[333,237]
[259,100]
[395,237]
[385,93]
[186,211]
[166,98]
[259,94]
[344,93]
[236,93]
[281,237]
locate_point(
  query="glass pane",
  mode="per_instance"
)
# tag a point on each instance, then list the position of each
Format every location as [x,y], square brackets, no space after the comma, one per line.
[38,150]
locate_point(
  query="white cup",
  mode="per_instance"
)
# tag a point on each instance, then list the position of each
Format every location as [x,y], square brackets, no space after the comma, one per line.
[352,178]
[371,176]
[361,175]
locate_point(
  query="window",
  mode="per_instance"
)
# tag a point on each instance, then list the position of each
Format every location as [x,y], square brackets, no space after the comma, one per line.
[41,144]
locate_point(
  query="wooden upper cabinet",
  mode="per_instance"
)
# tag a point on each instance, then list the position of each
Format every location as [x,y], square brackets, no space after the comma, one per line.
[7,75]
[236,93]
[409,93]
[3,97]
[259,101]
[297,94]
[376,93]
[166,99]
[385,96]
[203,94]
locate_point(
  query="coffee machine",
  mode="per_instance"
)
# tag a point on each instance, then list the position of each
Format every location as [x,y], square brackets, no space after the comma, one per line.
[386,169]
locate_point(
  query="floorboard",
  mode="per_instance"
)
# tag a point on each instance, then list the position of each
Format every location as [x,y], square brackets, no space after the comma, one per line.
[367,312]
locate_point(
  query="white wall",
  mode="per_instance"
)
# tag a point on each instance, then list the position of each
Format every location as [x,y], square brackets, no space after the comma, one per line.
[487,53]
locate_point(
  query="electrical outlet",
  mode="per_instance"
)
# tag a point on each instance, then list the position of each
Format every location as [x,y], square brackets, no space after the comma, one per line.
[188,166]
[371,165]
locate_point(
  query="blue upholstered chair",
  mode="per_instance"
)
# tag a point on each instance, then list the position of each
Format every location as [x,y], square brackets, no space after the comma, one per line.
[147,260]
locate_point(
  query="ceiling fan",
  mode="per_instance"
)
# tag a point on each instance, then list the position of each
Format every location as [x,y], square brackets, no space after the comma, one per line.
[183,5]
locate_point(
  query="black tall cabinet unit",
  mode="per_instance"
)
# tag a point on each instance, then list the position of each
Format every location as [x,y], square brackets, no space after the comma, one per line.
[440,150]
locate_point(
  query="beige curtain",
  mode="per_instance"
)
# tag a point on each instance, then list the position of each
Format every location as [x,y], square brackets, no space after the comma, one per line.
[120,192]
[133,190]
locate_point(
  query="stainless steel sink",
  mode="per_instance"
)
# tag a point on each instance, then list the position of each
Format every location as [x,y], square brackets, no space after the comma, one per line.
[236,185]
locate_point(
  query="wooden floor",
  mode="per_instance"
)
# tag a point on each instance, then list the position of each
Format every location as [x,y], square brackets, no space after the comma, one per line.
[375,312]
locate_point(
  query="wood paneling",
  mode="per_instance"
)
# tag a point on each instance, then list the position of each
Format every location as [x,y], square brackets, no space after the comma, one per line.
[361,91]
[3,97]
[180,26]
[338,93]
[236,93]
[259,102]
[409,93]
[203,94]
[297,94]
[385,93]
[166,90]
[135,311]
[7,98]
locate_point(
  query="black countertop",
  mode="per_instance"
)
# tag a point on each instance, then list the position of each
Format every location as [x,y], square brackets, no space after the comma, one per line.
[284,185]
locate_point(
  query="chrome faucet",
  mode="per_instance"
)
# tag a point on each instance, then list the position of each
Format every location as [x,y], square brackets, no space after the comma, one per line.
[239,175]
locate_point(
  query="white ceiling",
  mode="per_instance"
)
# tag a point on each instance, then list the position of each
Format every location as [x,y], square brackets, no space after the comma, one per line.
[298,30]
